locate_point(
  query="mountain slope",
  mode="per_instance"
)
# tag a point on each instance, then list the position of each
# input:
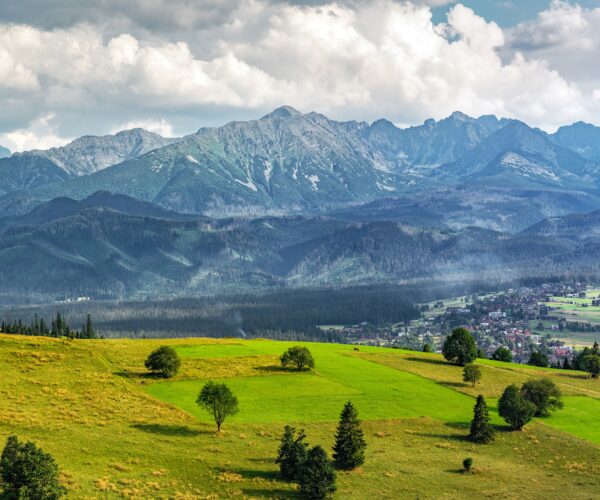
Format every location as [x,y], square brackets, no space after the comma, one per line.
[4,152]
[433,143]
[86,155]
[582,138]
[102,252]
[517,155]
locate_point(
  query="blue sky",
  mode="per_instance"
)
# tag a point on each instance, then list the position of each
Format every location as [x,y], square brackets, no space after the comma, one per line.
[508,13]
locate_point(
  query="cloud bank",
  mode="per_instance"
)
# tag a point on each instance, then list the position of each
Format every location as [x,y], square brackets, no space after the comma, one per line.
[176,66]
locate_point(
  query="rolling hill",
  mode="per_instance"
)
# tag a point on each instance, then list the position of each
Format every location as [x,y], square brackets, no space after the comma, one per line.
[116,432]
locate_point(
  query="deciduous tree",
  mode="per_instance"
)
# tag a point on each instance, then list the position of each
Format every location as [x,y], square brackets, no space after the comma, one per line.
[219,401]
[460,347]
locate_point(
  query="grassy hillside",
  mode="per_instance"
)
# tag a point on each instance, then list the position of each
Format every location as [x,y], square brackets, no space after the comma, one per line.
[117,433]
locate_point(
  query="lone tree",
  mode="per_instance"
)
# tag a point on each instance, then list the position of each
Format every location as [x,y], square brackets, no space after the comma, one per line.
[515,409]
[349,448]
[544,394]
[298,356]
[460,347]
[164,362]
[472,374]
[28,473]
[503,354]
[591,364]
[481,430]
[218,400]
[538,358]
[317,480]
[292,454]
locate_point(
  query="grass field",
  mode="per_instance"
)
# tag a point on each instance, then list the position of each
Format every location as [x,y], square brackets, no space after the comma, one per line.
[117,433]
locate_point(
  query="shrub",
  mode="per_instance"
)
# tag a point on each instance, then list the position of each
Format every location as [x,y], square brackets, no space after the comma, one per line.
[460,347]
[515,409]
[481,430]
[503,354]
[28,473]
[317,480]
[349,448]
[299,356]
[292,454]
[472,374]
[427,348]
[164,362]
[468,464]
[218,400]
[544,394]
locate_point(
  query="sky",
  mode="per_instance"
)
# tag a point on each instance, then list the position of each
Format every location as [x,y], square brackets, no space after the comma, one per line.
[75,67]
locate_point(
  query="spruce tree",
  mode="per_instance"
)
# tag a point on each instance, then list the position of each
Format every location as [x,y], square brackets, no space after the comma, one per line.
[349,449]
[292,454]
[481,430]
[317,480]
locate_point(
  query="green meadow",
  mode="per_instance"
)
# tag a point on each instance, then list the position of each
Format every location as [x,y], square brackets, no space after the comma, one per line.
[118,433]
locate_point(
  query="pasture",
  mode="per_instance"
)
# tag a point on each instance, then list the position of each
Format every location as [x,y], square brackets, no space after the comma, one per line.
[117,433]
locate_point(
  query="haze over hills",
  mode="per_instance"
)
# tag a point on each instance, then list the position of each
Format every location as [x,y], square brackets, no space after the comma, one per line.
[111,246]
[4,152]
[292,162]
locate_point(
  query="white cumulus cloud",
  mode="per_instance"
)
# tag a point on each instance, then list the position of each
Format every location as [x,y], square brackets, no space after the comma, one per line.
[350,60]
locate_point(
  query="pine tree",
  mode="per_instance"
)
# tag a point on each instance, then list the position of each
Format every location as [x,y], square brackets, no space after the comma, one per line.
[317,480]
[349,449]
[481,431]
[292,454]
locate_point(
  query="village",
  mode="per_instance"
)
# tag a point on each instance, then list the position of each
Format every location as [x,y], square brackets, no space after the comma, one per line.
[525,320]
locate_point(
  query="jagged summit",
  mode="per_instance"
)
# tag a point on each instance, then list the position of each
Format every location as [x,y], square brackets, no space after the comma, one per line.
[282,112]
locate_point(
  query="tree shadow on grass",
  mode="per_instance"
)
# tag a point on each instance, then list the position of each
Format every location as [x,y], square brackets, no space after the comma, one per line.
[169,430]
[139,375]
[430,361]
[269,493]
[268,475]
[271,369]
[460,426]
[461,385]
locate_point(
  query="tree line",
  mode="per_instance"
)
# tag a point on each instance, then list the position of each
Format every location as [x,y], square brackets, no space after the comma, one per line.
[58,327]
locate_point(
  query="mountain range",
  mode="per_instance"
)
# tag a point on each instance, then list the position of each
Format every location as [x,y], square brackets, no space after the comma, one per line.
[295,200]
[289,162]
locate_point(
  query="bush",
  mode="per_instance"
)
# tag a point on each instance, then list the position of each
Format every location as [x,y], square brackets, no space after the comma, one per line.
[460,347]
[503,354]
[427,348]
[292,454]
[349,448]
[544,394]
[468,464]
[298,356]
[218,400]
[515,409]
[28,473]
[317,480]
[538,359]
[472,374]
[164,362]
